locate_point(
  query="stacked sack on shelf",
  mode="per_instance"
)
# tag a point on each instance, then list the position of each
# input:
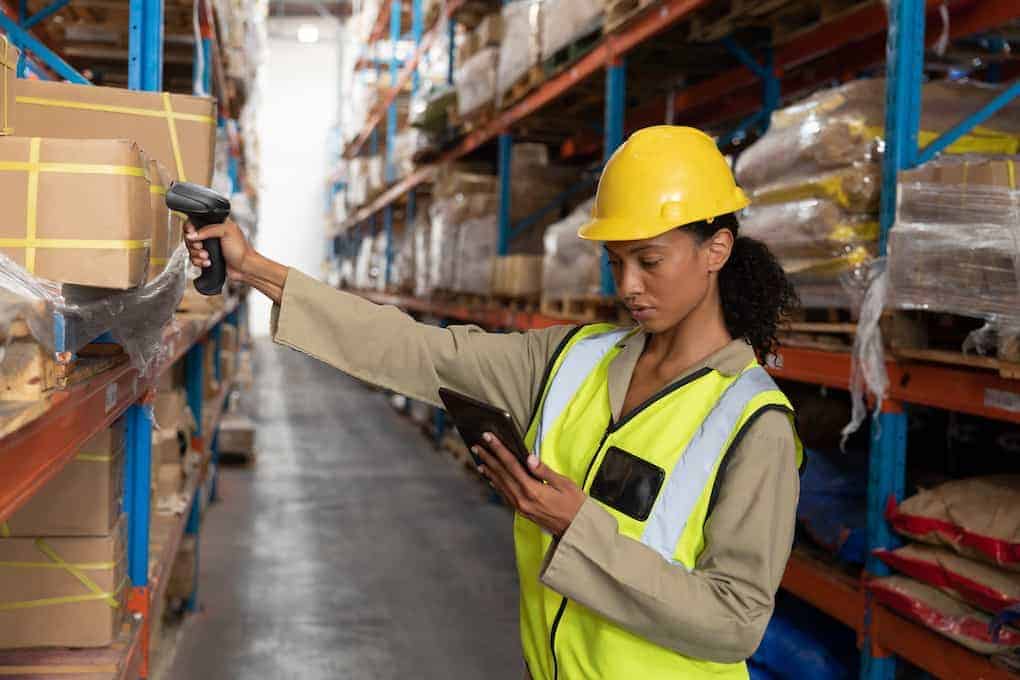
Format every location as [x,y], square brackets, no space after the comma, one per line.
[63,560]
[955,246]
[534,31]
[814,178]
[477,59]
[962,568]
[462,238]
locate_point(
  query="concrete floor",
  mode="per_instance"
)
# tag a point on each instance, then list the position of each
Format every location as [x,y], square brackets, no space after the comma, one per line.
[351,550]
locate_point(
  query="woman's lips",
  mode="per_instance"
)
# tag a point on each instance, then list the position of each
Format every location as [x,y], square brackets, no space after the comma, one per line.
[641,313]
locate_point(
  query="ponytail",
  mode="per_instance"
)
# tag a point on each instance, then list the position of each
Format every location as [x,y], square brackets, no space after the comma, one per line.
[755,293]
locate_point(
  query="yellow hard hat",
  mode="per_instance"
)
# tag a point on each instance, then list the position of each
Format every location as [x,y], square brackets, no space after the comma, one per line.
[661,178]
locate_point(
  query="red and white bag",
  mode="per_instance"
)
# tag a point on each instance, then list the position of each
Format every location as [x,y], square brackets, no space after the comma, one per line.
[978,584]
[978,517]
[941,613]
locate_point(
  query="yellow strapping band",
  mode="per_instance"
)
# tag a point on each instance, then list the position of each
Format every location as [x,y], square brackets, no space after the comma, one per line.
[174,142]
[71,168]
[5,530]
[158,260]
[67,599]
[76,243]
[97,592]
[94,457]
[1011,169]
[5,79]
[84,566]
[157,189]
[129,110]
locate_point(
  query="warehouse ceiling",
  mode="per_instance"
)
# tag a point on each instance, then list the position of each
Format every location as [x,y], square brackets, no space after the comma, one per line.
[310,8]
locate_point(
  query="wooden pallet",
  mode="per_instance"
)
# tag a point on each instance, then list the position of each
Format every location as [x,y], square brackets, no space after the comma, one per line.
[523,86]
[473,121]
[805,15]
[831,329]
[518,303]
[583,308]
[567,55]
[619,12]
[939,338]
[29,371]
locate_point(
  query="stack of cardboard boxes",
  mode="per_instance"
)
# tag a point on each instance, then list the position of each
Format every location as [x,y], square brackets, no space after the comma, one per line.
[63,565]
[84,205]
[171,435]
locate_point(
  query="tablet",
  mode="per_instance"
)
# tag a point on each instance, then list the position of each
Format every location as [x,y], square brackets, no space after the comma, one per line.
[474,418]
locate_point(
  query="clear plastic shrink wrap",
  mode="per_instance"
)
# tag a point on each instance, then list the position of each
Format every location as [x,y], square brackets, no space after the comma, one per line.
[571,264]
[406,145]
[564,21]
[476,247]
[521,48]
[476,81]
[955,246]
[809,228]
[536,185]
[135,318]
[364,275]
[459,196]
[844,126]
[422,242]
[402,271]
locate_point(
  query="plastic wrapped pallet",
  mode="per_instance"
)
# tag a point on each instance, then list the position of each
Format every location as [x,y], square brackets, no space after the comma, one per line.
[422,240]
[564,21]
[808,228]
[521,48]
[476,249]
[364,276]
[536,185]
[374,173]
[407,144]
[459,196]
[844,125]
[402,276]
[955,246]
[571,266]
[517,275]
[854,187]
[476,81]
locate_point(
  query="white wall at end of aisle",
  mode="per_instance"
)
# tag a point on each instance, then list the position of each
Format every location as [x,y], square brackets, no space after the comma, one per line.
[299,99]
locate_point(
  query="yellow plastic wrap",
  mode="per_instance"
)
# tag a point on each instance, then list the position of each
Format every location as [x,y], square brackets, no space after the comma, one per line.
[955,246]
[812,228]
[844,125]
[856,188]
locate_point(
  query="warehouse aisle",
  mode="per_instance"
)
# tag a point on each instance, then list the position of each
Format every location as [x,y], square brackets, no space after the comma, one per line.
[351,550]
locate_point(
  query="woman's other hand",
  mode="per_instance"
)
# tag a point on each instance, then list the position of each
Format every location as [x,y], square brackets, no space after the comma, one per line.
[234,246]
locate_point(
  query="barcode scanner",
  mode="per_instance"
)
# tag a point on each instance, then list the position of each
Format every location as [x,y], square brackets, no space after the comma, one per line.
[203,206]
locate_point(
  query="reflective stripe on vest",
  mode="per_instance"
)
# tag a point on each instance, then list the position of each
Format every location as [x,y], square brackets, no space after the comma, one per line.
[697,464]
[578,363]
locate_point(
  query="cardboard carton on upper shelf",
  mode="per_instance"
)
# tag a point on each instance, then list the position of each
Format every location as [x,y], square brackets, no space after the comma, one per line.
[168,409]
[177,130]
[83,499]
[166,447]
[62,591]
[8,64]
[79,212]
[167,227]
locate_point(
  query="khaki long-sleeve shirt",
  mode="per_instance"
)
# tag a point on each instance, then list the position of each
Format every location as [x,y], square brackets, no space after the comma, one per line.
[719,610]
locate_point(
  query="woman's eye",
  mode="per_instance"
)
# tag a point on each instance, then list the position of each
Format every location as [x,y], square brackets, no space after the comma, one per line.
[650,263]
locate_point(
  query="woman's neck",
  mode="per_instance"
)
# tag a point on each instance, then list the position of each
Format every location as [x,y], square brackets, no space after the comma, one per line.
[699,335]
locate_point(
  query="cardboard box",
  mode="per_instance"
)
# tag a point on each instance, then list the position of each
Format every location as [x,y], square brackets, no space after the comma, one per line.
[236,435]
[228,337]
[28,578]
[166,447]
[212,383]
[228,366]
[168,409]
[84,499]
[168,227]
[490,31]
[77,224]
[8,66]
[152,119]
[517,275]
[172,378]
[169,479]
[194,302]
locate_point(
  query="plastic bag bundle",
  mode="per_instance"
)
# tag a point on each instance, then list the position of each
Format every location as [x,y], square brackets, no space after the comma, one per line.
[979,585]
[801,642]
[476,81]
[955,246]
[941,613]
[571,265]
[134,318]
[521,47]
[564,21]
[832,509]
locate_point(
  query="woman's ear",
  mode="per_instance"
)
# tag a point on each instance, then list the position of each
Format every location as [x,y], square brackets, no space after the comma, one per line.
[720,245]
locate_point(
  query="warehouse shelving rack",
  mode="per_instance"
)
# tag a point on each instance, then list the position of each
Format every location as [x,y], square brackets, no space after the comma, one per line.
[63,421]
[856,41]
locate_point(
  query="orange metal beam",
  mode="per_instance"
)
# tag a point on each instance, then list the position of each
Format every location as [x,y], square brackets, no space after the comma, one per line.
[832,592]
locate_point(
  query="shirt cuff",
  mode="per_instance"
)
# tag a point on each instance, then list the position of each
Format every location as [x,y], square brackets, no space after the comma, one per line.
[590,534]
[281,315]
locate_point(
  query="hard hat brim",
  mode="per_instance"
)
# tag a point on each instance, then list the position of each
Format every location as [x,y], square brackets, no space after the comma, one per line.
[617,229]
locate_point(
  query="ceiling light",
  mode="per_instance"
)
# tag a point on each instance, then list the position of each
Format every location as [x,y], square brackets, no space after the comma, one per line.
[307,33]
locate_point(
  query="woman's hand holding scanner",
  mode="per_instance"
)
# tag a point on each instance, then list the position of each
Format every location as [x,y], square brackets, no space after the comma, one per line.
[547,498]
[243,262]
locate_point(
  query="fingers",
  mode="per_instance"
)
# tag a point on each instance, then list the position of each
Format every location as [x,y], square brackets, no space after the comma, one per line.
[494,470]
[542,471]
[212,231]
[193,239]
[509,460]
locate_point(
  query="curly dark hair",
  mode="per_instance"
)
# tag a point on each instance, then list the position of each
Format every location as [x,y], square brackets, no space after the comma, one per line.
[755,293]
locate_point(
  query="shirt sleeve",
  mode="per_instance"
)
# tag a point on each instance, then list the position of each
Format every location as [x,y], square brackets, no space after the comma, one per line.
[719,610]
[385,347]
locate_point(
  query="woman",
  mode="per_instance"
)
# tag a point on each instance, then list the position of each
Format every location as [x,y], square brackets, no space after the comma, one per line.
[654,538]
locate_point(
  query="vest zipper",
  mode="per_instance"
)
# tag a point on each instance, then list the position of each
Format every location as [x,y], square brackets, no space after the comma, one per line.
[563,603]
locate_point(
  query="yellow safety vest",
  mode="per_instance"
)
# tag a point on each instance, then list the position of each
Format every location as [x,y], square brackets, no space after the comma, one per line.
[684,431]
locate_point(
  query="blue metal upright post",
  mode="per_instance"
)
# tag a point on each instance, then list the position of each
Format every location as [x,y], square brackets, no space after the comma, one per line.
[29,43]
[391,111]
[505,158]
[417,28]
[145,46]
[138,491]
[451,35]
[616,91]
[388,230]
[194,383]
